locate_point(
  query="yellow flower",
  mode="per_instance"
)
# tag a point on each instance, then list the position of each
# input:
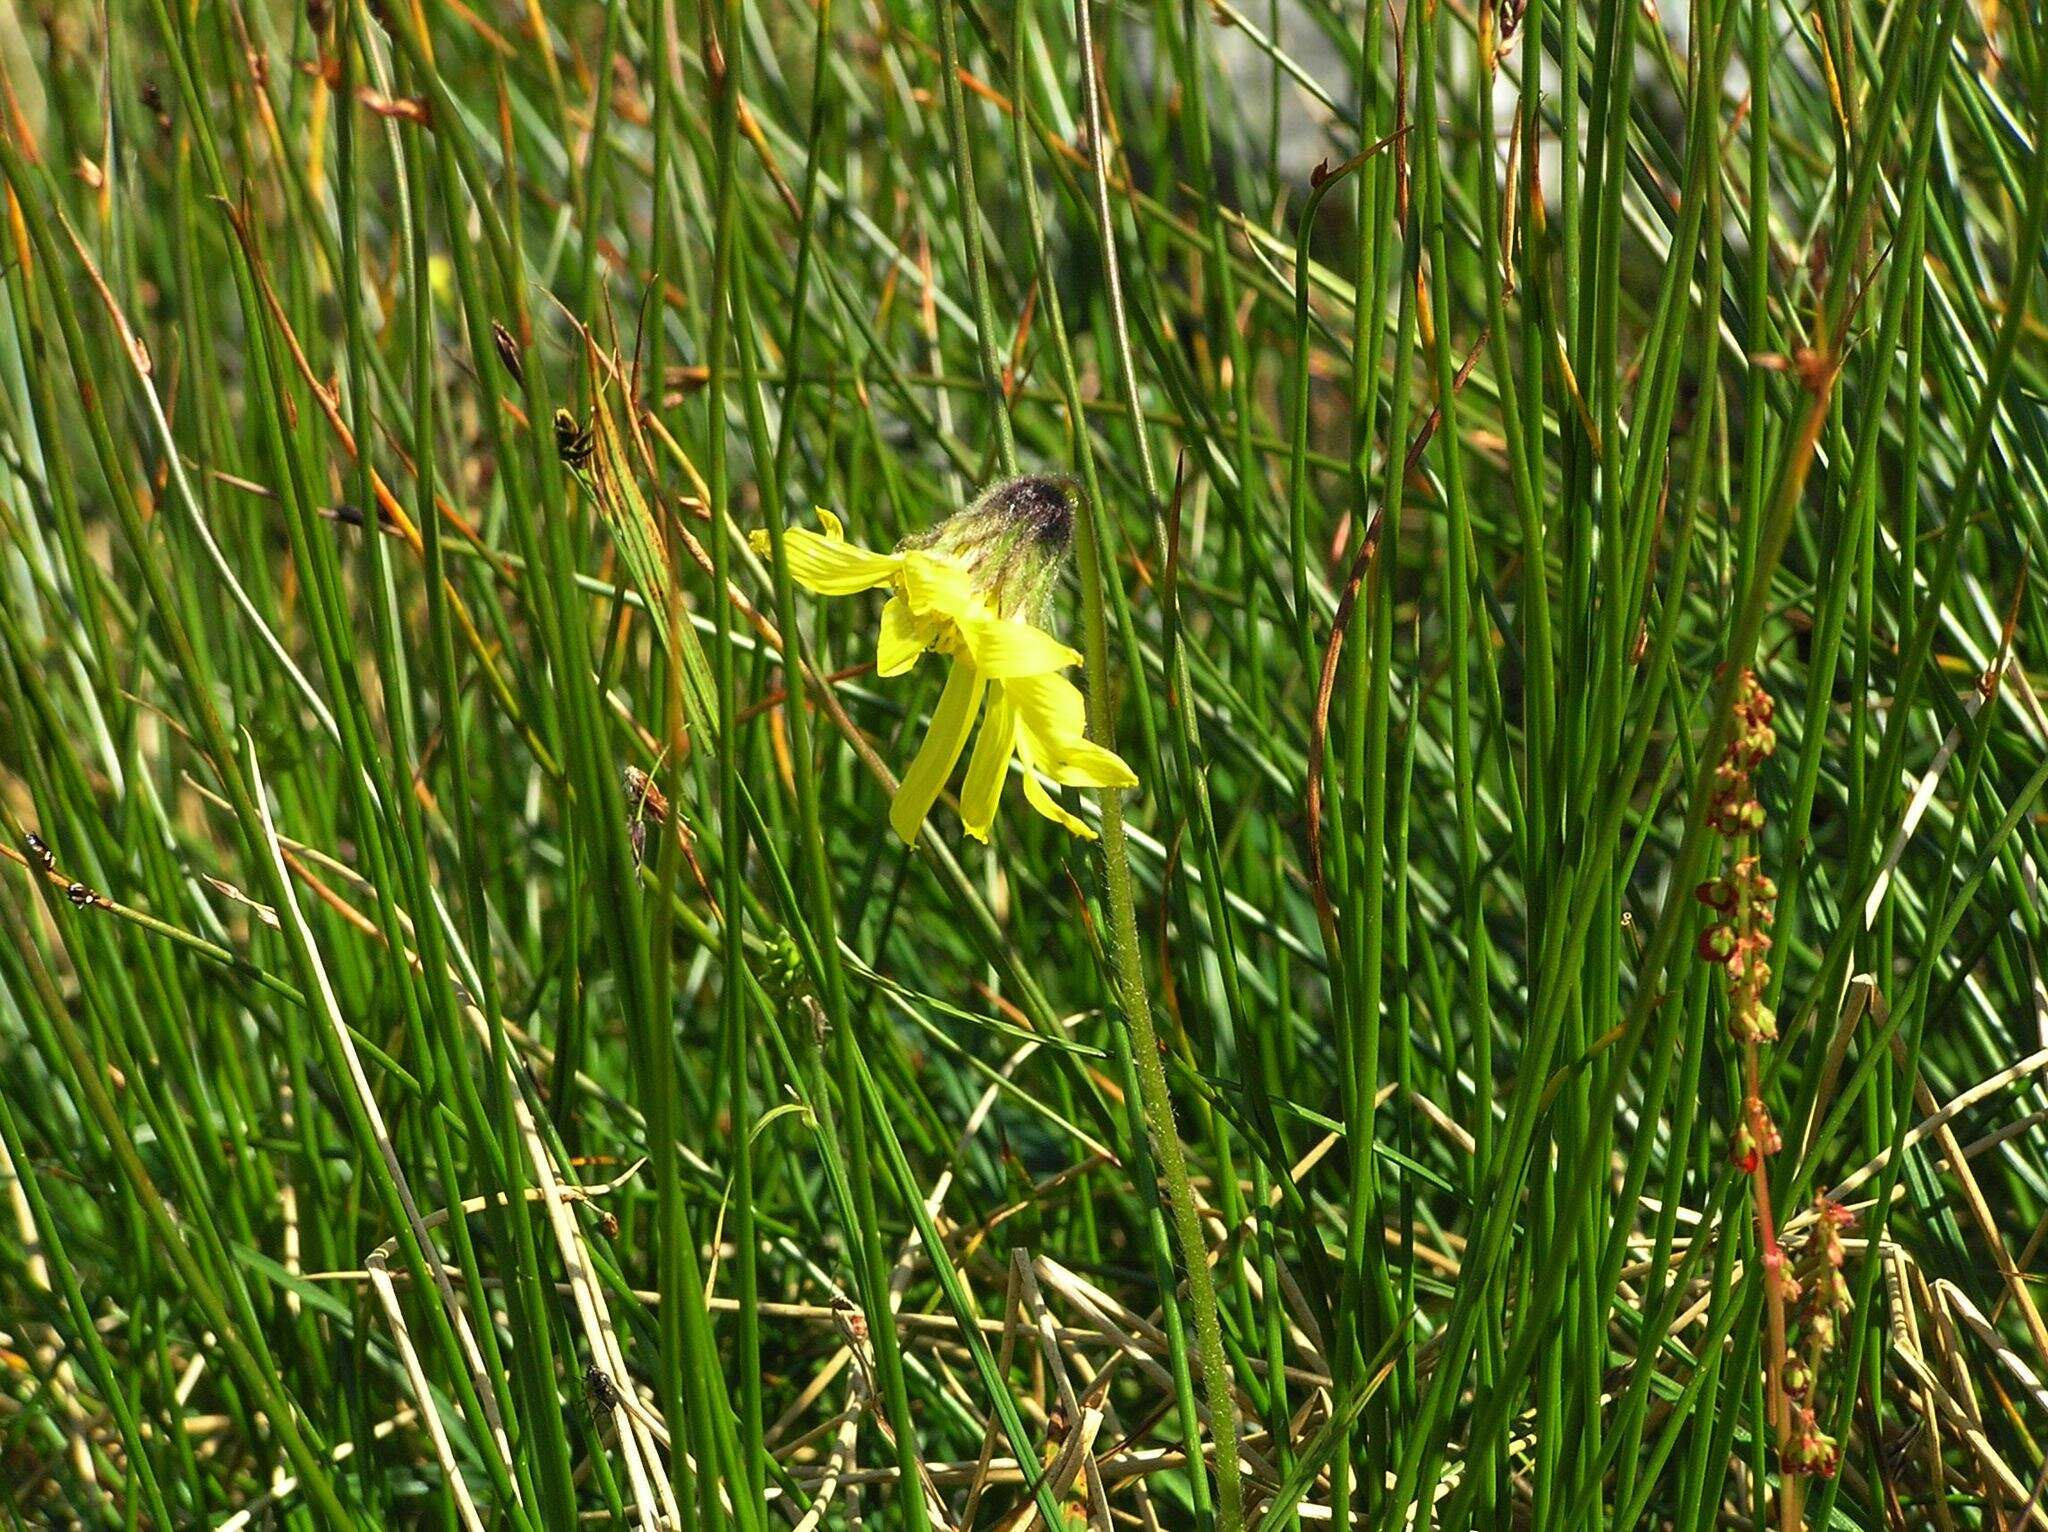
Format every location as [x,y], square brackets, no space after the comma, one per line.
[967,590]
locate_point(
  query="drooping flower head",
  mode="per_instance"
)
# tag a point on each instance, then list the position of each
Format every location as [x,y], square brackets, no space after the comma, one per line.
[976,589]
[1012,540]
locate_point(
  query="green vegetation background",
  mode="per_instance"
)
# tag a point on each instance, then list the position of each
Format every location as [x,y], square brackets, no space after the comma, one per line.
[409,1118]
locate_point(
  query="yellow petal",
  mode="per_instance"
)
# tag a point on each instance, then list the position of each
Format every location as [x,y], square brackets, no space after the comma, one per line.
[1087,764]
[903,638]
[1051,719]
[934,585]
[827,563]
[1004,648]
[1050,709]
[951,720]
[983,788]
[1043,801]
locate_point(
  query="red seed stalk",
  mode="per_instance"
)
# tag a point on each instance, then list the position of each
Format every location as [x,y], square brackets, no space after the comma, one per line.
[1738,941]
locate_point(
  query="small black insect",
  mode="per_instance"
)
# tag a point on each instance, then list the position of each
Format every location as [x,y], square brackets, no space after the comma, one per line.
[572,441]
[352,516]
[153,103]
[643,799]
[81,896]
[645,805]
[602,1392]
[508,353]
[40,850]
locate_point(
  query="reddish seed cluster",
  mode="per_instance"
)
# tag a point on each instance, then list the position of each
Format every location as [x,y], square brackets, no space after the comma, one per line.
[1821,1292]
[1823,1288]
[1740,939]
[1740,942]
[1756,1137]
[1807,1290]
[1735,810]
[1811,1450]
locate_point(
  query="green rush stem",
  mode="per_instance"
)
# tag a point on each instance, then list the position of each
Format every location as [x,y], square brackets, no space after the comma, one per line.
[533,1371]
[690,1383]
[723,57]
[48,1233]
[256,1372]
[1458,534]
[243,793]
[970,236]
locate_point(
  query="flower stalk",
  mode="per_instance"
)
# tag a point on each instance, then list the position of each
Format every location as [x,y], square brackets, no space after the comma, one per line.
[1136,1004]
[1116,871]
[1743,899]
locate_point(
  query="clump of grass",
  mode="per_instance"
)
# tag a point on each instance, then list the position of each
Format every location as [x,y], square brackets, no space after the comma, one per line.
[474,1053]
